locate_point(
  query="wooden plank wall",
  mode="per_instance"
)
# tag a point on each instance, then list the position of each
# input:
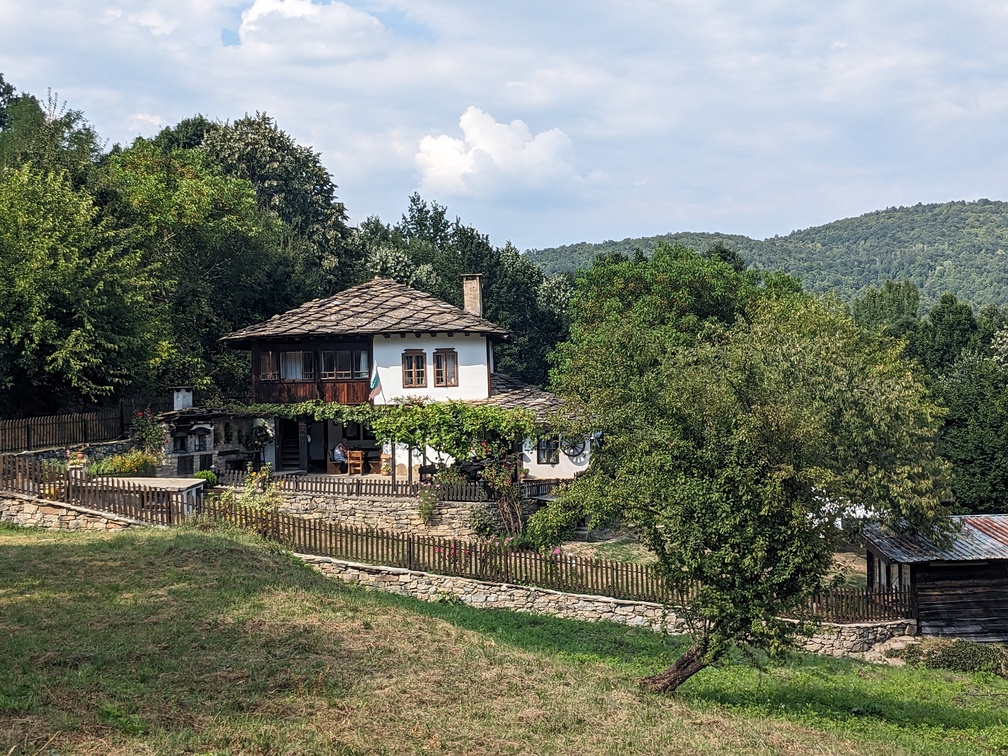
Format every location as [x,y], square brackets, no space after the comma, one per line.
[963,600]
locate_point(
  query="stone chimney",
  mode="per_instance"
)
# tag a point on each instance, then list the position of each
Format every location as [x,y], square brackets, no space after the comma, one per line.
[472,293]
[183,398]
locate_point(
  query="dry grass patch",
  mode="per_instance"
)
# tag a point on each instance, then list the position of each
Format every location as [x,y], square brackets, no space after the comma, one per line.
[211,642]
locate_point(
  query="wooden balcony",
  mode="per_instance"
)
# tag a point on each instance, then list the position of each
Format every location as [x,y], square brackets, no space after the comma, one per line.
[291,392]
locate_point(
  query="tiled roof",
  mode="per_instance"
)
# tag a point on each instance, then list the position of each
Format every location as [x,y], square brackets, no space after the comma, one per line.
[378,306]
[510,393]
[977,537]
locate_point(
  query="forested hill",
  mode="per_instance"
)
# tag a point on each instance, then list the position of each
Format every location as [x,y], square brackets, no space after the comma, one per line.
[958,247]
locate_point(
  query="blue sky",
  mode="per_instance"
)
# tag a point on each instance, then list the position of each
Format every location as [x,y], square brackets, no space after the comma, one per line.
[547,123]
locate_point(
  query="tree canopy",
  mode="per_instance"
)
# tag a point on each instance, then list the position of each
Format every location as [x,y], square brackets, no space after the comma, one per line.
[740,419]
[956,247]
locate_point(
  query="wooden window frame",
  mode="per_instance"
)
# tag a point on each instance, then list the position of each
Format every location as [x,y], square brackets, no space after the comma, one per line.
[336,356]
[269,359]
[414,376]
[548,450]
[306,357]
[445,355]
[327,375]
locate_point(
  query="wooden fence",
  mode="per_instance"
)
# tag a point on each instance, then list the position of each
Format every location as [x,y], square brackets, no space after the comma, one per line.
[54,431]
[353,485]
[496,564]
[119,496]
[444,556]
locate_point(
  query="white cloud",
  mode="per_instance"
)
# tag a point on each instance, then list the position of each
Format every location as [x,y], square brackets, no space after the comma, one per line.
[493,159]
[302,30]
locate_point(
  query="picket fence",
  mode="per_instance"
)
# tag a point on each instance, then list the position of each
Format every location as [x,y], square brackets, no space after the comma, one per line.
[491,562]
[72,429]
[363,486]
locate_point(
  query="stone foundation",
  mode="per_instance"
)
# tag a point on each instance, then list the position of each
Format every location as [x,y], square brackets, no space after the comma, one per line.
[829,640]
[28,511]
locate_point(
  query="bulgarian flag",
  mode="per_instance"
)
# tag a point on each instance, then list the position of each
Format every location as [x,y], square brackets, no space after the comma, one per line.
[375,385]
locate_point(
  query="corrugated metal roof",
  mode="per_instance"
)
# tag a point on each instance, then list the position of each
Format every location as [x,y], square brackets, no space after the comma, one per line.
[977,537]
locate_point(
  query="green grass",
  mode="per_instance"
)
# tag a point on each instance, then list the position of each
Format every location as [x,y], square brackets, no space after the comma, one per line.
[189,641]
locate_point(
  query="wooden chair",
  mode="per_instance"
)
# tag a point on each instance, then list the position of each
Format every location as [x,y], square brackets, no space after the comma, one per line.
[355,462]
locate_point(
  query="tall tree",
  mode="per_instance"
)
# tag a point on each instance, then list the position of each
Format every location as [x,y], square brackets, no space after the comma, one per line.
[291,182]
[892,308]
[740,419]
[219,257]
[430,252]
[74,304]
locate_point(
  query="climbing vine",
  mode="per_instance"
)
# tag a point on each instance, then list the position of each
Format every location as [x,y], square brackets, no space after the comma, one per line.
[452,428]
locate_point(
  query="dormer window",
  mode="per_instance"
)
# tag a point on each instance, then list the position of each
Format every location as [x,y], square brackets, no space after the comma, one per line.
[445,367]
[414,369]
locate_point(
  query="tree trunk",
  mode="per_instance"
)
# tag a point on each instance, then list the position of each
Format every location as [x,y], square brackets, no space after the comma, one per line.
[685,667]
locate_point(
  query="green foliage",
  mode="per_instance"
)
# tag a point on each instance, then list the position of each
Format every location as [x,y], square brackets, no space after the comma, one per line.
[260,492]
[147,433]
[958,655]
[290,182]
[953,247]
[74,305]
[209,476]
[128,724]
[429,252]
[740,421]
[449,427]
[135,463]
[499,476]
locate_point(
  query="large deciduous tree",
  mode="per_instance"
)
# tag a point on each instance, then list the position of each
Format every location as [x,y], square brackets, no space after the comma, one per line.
[428,251]
[74,303]
[290,181]
[740,419]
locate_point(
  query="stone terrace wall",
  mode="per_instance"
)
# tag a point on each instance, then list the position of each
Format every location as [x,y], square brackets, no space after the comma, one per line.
[830,640]
[450,520]
[28,511]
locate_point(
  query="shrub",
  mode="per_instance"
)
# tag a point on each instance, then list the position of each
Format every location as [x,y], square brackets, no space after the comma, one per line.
[482,522]
[959,655]
[209,476]
[147,433]
[131,463]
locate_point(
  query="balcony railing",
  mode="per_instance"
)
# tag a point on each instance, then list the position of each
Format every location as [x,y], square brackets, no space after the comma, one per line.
[290,392]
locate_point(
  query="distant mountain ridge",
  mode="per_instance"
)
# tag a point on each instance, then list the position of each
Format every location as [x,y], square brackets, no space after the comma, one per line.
[961,247]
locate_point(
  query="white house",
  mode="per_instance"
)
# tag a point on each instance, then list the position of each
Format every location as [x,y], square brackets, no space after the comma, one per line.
[383,342]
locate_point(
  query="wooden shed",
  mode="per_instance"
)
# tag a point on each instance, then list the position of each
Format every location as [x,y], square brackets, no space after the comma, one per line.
[960,589]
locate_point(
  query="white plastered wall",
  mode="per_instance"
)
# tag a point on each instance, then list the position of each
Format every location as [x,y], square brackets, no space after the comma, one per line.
[473,373]
[565,468]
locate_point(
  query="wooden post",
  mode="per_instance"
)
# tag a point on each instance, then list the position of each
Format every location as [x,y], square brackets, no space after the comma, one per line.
[393,462]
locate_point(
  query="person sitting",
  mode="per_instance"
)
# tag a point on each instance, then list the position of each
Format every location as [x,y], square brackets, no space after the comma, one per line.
[339,456]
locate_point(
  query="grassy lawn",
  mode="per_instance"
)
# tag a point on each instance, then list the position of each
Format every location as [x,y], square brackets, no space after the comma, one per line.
[190,641]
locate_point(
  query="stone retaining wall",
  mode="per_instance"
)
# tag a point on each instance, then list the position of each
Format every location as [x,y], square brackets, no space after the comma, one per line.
[830,640]
[28,511]
[401,515]
[92,452]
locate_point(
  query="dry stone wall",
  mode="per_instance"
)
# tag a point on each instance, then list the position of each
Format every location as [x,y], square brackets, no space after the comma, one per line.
[28,511]
[830,640]
[401,515]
